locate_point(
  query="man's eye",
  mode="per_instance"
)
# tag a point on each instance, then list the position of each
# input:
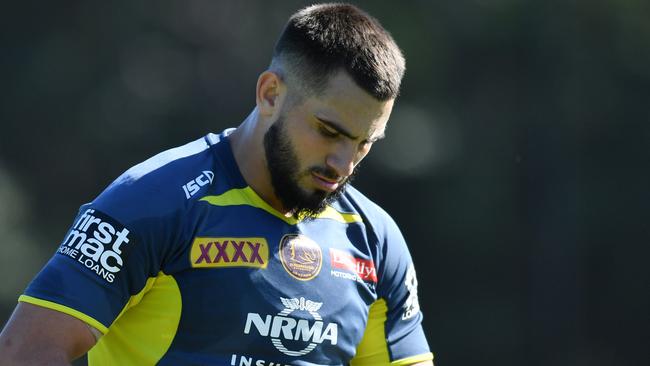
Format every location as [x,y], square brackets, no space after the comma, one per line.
[364,145]
[325,131]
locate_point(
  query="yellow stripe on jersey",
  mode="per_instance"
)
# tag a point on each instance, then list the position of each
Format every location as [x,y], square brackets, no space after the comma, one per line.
[412,360]
[247,196]
[373,349]
[142,334]
[346,218]
[66,310]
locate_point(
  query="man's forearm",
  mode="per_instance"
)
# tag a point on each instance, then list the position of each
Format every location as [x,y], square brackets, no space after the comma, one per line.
[10,356]
[39,336]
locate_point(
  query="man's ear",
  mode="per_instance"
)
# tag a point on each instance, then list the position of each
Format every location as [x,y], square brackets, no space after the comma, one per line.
[270,94]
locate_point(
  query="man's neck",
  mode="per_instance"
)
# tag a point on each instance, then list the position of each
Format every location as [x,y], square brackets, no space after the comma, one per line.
[247,143]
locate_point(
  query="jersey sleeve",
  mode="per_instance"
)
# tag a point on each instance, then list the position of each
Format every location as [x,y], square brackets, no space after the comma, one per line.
[98,266]
[394,334]
[116,243]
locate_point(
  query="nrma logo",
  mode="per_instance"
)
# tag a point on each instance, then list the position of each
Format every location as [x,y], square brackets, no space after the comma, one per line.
[97,244]
[284,327]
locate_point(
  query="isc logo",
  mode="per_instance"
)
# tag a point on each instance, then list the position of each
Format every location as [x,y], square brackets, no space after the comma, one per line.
[192,187]
[229,252]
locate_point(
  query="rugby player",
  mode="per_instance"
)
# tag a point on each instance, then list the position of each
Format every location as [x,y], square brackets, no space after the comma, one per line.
[247,247]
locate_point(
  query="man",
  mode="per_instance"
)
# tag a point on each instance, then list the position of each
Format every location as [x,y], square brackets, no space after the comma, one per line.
[247,247]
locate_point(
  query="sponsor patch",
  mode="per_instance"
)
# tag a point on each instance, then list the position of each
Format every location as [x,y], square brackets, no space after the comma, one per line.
[229,252]
[241,360]
[99,243]
[301,257]
[364,269]
[290,325]
[192,187]
[412,305]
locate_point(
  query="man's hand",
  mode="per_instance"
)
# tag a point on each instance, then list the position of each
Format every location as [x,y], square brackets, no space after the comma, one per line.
[38,336]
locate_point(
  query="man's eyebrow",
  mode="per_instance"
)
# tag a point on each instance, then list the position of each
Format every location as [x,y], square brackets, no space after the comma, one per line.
[335,126]
[338,128]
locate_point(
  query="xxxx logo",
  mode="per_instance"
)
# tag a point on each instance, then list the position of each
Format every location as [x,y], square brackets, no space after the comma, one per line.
[229,252]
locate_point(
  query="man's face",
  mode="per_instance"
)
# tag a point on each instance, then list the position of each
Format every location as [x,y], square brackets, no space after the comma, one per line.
[313,148]
[287,174]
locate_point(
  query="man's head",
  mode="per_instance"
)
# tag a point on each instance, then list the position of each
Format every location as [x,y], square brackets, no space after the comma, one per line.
[322,39]
[326,98]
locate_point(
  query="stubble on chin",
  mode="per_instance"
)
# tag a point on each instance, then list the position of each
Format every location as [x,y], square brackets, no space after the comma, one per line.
[293,188]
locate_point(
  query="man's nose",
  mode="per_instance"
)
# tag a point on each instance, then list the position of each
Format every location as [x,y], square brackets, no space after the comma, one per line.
[342,160]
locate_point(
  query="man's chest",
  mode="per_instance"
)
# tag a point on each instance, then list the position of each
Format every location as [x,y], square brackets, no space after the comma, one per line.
[256,282]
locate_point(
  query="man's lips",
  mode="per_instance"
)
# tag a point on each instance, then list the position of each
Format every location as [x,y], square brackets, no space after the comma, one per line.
[325,183]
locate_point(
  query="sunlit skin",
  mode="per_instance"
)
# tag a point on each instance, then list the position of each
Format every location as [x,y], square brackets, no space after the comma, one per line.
[334,129]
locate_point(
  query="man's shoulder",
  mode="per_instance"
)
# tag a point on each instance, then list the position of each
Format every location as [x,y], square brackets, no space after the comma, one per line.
[372,212]
[163,183]
[172,160]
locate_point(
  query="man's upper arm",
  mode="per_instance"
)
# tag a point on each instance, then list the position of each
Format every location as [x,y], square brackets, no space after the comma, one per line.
[37,335]
[394,334]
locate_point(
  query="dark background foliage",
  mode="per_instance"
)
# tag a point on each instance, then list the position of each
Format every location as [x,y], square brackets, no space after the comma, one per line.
[516,160]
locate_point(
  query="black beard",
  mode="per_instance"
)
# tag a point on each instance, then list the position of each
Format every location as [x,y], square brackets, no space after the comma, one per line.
[282,162]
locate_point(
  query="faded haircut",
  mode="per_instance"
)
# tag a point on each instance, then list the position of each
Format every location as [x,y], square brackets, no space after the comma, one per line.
[322,39]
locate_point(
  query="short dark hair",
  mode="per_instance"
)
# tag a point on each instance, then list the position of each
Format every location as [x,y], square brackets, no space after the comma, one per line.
[322,39]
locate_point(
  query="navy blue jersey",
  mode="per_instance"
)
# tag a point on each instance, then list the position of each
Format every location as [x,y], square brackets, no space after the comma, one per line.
[180,262]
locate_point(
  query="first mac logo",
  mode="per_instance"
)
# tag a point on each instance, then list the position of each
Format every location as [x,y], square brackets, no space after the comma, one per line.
[98,243]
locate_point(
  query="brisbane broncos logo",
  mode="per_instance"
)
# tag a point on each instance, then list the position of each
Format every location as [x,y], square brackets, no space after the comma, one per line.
[301,257]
